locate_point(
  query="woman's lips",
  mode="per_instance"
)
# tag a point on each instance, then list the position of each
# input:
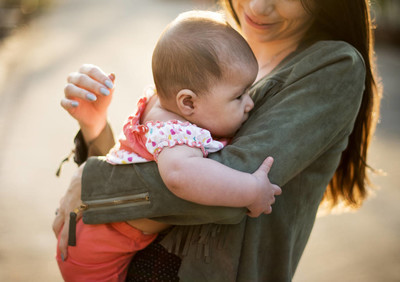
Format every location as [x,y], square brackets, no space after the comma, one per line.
[256,24]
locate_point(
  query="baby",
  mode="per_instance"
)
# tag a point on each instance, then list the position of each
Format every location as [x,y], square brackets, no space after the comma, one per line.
[202,70]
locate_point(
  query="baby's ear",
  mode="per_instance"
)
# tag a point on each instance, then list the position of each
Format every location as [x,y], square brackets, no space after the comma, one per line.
[186,99]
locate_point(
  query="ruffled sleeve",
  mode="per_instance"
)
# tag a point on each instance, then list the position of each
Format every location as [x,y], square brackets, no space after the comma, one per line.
[131,145]
[174,132]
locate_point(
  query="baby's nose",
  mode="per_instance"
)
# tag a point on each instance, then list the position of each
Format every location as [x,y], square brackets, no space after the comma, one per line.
[249,105]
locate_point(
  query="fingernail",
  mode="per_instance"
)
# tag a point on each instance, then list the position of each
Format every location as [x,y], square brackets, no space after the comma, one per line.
[91,97]
[111,76]
[109,84]
[104,91]
[62,257]
[74,104]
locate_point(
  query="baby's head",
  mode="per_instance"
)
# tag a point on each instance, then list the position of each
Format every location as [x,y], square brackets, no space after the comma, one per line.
[201,58]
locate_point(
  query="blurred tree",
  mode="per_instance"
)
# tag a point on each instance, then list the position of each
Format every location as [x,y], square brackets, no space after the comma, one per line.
[14,13]
[387,17]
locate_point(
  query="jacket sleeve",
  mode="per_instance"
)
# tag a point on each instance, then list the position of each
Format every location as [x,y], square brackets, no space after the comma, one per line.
[299,114]
[98,147]
[315,107]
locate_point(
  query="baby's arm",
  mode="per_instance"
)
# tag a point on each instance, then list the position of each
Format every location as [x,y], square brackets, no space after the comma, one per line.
[194,178]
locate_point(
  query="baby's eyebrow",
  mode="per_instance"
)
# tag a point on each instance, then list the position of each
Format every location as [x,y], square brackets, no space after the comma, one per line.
[243,91]
[247,88]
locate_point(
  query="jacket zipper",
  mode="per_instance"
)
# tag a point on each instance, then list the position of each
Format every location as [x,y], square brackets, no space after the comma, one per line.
[142,198]
[117,201]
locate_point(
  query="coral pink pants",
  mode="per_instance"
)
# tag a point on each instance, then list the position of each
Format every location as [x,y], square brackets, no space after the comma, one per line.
[102,252]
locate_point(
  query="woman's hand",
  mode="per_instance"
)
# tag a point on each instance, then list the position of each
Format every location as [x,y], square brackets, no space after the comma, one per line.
[70,201]
[87,96]
[268,191]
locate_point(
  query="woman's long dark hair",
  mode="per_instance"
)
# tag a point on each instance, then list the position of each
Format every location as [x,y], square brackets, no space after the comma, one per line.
[350,21]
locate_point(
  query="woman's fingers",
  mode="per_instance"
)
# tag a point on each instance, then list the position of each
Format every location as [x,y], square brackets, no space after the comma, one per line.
[58,224]
[88,87]
[60,229]
[63,241]
[68,104]
[72,91]
[89,83]
[111,76]
[97,74]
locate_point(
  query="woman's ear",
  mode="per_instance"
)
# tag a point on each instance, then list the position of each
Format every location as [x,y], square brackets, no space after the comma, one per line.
[186,101]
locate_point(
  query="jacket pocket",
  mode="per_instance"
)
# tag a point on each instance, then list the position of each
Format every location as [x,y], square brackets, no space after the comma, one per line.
[112,209]
[131,200]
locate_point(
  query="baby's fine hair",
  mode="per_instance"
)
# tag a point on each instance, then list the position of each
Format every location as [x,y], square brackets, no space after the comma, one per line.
[197,49]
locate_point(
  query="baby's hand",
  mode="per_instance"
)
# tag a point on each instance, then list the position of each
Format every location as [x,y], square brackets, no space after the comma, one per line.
[267,190]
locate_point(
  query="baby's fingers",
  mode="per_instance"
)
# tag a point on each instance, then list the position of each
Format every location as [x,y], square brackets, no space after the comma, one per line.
[268,210]
[277,189]
[257,212]
[253,214]
[266,165]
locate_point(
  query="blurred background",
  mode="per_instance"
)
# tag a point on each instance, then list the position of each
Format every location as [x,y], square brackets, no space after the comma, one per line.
[41,41]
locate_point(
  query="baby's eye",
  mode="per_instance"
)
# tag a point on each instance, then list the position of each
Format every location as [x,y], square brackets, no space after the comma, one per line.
[239,97]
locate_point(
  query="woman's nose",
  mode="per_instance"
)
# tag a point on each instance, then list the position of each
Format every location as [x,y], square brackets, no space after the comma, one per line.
[261,7]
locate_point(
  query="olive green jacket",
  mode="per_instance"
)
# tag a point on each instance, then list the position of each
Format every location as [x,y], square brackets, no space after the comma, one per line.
[304,112]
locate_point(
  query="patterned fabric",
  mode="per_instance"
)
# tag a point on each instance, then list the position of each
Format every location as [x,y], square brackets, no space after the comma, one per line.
[154,263]
[144,142]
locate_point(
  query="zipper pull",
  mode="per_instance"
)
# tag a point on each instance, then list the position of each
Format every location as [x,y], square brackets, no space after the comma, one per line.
[72,225]
[72,229]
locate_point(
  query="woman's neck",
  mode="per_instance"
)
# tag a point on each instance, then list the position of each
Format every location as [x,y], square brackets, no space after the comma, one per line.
[270,54]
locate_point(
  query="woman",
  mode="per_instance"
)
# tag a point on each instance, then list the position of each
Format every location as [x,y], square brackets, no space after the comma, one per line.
[316,105]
